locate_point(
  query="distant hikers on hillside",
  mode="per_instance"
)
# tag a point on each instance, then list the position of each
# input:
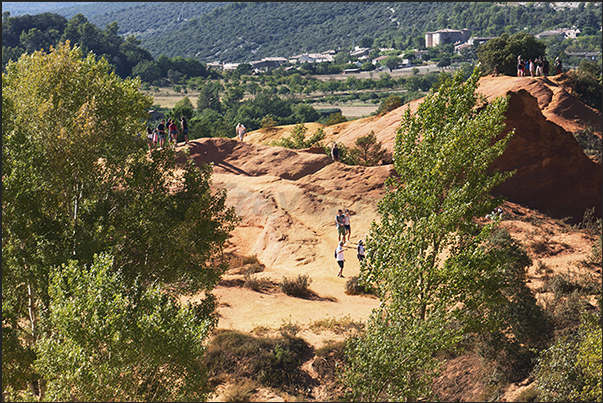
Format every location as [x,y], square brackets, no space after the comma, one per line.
[150,138]
[536,67]
[558,66]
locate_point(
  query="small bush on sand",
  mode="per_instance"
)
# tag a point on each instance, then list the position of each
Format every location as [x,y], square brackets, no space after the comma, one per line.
[274,362]
[256,284]
[352,287]
[297,286]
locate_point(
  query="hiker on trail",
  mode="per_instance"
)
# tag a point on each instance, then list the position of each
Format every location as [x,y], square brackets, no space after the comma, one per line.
[335,152]
[346,223]
[173,131]
[532,67]
[184,124]
[361,251]
[339,257]
[150,138]
[161,133]
[340,223]
[241,130]
[520,66]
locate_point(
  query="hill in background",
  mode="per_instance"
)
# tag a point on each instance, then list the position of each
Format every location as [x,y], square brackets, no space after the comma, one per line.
[243,32]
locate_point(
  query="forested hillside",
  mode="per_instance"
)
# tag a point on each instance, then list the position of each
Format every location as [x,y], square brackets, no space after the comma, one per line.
[239,32]
[249,31]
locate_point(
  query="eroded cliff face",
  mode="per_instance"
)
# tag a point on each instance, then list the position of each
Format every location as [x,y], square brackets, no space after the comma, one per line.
[553,175]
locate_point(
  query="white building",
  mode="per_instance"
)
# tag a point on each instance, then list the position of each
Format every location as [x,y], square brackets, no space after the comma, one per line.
[447,35]
[311,58]
[564,32]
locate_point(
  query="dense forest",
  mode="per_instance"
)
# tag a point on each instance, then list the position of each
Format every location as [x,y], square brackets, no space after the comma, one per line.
[240,32]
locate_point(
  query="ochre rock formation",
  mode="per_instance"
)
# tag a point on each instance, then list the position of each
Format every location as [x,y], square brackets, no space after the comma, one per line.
[553,174]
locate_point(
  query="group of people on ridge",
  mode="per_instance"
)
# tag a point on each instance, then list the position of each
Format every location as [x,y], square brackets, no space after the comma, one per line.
[344,229]
[157,137]
[536,67]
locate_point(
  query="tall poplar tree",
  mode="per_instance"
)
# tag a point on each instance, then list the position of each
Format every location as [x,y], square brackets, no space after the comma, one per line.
[427,257]
[99,239]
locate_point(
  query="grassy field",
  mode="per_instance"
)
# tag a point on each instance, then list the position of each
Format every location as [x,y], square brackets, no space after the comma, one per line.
[167,98]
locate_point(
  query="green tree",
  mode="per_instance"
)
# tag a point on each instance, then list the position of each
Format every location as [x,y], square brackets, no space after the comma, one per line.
[77,182]
[233,96]
[430,298]
[209,98]
[389,104]
[184,107]
[244,69]
[147,70]
[297,140]
[368,151]
[391,62]
[570,370]
[102,326]
[502,52]
[305,113]
[33,40]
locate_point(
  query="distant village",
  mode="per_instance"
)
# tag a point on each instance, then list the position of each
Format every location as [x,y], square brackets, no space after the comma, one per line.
[460,38]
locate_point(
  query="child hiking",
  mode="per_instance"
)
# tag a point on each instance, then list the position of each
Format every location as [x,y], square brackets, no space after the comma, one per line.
[339,257]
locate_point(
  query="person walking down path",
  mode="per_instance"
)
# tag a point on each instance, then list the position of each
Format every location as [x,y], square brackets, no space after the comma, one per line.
[340,223]
[532,67]
[346,223]
[361,251]
[340,258]
[184,125]
[335,152]
[241,130]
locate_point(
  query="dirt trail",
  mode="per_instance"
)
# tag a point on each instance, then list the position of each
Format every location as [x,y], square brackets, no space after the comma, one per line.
[288,199]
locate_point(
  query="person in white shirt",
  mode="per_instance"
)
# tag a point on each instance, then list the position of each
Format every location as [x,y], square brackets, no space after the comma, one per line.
[241,130]
[340,258]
